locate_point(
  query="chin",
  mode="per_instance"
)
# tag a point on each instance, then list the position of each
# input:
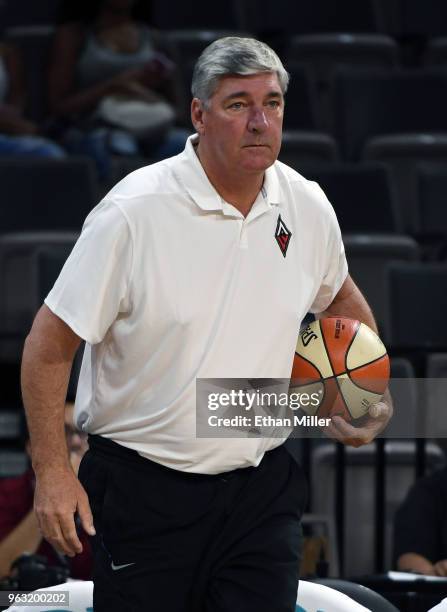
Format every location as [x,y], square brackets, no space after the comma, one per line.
[258,167]
[258,163]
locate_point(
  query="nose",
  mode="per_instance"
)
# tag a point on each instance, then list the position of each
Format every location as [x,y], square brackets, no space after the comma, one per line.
[257,122]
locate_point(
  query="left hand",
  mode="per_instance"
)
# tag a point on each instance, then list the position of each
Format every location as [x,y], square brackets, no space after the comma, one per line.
[378,416]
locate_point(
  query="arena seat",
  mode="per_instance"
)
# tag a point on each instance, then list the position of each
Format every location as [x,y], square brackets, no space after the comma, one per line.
[178,14]
[432,205]
[406,394]
[362,196]
[188,44]
[360,97]
[301,111]
[13,462]
[436,390]
[9,425]
[21,284]
[324,54]
[389,16]
[437,365]
[436,53]
[418,301]
[406,154]
[46,194]
[16,13]
[300,147]
[368,256]
[302,17]
[423,19]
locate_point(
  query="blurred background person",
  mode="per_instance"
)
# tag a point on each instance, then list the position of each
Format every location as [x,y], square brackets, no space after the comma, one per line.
[18,135]
[110,86]
[420,527]
[19,531]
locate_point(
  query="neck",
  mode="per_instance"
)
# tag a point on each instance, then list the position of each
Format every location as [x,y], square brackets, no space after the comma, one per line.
[239,190]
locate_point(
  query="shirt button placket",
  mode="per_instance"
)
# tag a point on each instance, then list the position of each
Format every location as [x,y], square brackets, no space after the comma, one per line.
[243,242]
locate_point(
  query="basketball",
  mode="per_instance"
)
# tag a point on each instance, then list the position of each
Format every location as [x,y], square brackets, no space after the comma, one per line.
[344,362]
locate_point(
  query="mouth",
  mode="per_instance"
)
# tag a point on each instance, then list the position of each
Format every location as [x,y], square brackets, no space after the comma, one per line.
[256,146]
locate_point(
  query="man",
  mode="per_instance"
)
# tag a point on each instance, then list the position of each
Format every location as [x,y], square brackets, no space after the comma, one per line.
[200,266]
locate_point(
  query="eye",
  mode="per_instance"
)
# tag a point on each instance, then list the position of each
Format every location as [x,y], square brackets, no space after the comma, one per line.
[236,105]
[273,103]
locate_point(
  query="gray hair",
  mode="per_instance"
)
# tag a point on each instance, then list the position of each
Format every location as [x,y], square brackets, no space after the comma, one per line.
[233,55]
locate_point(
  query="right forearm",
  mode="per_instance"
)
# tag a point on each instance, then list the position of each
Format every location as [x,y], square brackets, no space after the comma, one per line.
[47,359]
[26,537]
[46,364]
[44,388]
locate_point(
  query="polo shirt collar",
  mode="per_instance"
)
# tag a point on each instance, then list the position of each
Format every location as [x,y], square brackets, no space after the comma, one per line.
[189,171]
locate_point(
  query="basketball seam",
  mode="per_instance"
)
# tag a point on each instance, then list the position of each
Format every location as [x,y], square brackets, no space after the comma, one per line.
[367,363]
[321,379]
[340,392]
[350,344]
[326,349]
[363,388]
[312,364]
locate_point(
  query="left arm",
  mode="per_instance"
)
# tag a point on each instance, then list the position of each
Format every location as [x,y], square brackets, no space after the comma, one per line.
[349,302]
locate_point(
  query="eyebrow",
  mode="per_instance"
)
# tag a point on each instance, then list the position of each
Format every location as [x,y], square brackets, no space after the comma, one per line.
[244,94]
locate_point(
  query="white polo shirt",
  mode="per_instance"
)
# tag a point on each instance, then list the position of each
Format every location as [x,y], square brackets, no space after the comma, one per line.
[168,283]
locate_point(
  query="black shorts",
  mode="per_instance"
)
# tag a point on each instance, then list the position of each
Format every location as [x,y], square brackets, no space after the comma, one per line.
[170,541]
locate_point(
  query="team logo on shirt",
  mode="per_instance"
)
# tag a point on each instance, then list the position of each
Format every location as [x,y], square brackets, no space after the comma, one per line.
[282,235]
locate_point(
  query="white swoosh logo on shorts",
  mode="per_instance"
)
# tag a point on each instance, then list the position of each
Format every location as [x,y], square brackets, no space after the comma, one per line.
[118,567]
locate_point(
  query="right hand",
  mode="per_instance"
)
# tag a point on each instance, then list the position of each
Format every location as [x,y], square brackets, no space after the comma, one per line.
[58,496]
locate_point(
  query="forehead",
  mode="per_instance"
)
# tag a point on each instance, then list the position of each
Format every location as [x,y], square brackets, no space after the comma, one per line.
[262,83]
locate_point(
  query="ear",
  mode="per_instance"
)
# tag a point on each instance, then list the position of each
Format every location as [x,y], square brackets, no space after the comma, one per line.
[197,112]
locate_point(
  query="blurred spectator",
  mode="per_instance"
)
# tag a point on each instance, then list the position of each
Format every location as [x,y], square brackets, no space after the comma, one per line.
[19,531]
[110,85]
[420,527]
[18,135]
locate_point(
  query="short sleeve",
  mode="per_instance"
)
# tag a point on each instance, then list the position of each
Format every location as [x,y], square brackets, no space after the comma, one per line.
[93,287]
[336,267]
